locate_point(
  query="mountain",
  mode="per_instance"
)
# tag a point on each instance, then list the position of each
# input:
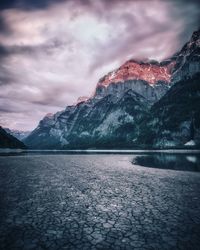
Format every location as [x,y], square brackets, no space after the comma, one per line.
[85,124]
[20,135]
[9,141]
[112,127]
[149,79]
[174,121]
[113,117]
[187,61]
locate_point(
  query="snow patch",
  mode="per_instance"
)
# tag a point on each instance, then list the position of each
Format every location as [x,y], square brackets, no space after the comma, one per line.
[192,159]
[190,143]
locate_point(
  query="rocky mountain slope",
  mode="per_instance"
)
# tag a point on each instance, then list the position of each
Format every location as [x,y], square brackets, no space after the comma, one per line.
[93,122]
[20,135]
[113,117]
[174,121]
[9,141]
[187,61]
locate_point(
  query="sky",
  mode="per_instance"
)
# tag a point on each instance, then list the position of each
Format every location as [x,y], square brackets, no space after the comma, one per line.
[53,51]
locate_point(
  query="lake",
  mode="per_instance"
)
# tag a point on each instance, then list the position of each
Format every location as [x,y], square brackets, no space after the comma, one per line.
[99,200]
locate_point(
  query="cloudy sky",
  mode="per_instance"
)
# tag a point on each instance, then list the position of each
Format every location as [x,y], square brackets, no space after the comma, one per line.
[53,51]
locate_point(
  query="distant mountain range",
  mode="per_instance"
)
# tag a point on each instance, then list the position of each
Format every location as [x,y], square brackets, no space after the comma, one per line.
[139,105]
[20,135]
[9,141]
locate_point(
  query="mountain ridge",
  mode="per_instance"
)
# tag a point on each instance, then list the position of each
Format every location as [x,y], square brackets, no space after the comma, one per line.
[9,141]
[19,134]
[174,120]
[83,122]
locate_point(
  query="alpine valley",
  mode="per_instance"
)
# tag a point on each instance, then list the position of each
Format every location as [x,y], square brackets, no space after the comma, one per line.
[145,104]
[9,141]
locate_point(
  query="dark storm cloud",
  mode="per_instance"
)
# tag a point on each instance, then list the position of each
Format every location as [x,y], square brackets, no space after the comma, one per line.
[5,77]
[27,4]
[47,47]
[40,4]
[3,51]
[9,109]
[133,39]
[4,28]
[189,11]
[51,52]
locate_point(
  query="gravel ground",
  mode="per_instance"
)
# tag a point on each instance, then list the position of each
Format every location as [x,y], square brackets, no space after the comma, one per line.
[96,202]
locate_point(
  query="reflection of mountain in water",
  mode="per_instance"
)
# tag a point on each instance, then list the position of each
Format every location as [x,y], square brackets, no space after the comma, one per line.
[170,161]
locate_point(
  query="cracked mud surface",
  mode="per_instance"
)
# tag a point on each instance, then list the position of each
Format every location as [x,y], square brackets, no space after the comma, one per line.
[96,202]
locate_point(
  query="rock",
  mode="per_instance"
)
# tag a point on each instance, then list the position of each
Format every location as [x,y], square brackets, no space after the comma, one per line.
[139,104]
[174,121]
[9,141]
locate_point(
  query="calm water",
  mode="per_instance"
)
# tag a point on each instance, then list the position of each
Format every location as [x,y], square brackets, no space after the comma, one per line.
[183,162]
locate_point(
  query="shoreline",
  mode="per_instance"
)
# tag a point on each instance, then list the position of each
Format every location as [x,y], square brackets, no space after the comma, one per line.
[102,151]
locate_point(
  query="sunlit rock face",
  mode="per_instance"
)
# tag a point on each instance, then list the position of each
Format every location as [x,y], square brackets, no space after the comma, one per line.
[149,79]
[135,75]
[132,70]
[184,63]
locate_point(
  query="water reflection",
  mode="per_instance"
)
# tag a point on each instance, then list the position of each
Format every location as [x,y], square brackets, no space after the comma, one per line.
[182,162]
